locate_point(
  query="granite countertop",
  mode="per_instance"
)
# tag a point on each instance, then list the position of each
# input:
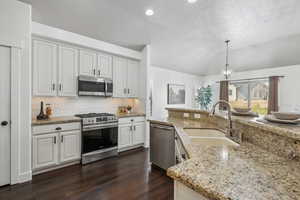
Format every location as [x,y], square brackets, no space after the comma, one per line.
[123,115]
[56,120]
[287,130]
[234,173]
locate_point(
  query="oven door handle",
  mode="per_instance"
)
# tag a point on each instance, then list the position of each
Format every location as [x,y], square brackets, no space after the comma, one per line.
[87,128]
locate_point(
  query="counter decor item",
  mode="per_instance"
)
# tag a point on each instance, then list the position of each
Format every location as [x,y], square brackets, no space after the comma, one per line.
[129,109]
[48,110]
[246,114]
[122,109]
[42,115]
[272,118]
[286,115]
[242,110]
[203,98]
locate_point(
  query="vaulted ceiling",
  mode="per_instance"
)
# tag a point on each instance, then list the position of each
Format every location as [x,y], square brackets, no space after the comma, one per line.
[187,37]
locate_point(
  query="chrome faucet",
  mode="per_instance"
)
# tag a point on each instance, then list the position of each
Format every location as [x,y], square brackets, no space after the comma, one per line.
[213,110]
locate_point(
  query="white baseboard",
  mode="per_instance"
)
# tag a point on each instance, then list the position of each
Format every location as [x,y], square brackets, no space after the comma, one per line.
[24,177]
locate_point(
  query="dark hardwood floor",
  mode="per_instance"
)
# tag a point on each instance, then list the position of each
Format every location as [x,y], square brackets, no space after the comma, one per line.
[127,177]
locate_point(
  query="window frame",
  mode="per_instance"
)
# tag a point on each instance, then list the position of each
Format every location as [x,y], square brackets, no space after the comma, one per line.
[248,82]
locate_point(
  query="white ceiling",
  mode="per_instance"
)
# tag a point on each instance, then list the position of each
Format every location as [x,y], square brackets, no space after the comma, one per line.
[187,37]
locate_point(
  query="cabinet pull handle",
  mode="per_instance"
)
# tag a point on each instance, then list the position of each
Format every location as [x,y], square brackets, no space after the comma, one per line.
[134,128]
[130,128]
[94,71]
[60,87]
[62,139]
[128,90]
[125,90]
[99,72]
[54,139]
[53,86]
[58,128]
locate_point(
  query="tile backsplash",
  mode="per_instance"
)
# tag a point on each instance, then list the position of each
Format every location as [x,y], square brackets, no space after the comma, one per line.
[65,106]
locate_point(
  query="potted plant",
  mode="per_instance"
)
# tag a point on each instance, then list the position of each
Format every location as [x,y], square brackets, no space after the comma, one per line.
[204,97]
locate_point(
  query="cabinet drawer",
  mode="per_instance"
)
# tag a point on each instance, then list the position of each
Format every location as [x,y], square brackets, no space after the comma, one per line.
[127,120]
[55,128]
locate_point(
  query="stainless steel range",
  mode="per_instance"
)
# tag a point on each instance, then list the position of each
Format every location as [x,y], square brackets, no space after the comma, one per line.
[99,136]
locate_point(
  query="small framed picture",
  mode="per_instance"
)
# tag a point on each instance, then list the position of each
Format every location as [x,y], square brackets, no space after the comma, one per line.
[176,94]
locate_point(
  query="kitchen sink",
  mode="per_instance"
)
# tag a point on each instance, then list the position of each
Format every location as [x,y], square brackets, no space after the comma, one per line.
[213,141]
[208,137]
[204,132]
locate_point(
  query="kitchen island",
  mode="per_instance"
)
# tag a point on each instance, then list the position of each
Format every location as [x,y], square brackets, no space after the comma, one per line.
[250,171]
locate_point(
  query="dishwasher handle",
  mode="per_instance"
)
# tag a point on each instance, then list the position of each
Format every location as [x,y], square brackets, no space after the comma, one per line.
[169,128]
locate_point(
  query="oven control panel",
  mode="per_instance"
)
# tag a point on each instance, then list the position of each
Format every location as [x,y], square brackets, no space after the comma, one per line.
[97,120]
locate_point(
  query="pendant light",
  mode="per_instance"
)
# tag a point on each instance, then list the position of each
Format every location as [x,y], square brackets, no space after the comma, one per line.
[227,72]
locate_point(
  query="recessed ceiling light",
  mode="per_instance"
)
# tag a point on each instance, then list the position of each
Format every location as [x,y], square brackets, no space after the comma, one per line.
[149,12]
[192,1]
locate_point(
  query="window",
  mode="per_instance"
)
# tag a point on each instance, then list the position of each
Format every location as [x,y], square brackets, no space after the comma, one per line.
[250,94]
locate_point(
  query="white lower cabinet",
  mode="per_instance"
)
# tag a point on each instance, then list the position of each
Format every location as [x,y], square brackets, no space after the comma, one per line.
[131,133]
[69,146]
[125,136]
[138,134]
[52,149]
[45,150]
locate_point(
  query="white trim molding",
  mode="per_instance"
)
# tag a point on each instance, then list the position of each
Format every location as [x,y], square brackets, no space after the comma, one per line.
[14,44]
[15,114]
[42,30]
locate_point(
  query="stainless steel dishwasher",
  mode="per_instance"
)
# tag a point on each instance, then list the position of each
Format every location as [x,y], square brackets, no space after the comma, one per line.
[162,145]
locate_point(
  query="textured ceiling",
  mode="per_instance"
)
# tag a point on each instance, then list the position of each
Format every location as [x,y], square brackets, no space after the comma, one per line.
[187,37]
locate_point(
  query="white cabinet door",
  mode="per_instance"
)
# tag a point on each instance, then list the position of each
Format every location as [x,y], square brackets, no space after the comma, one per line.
[104,66]
[44,68]
[87,62]
[67,71]
[138,135]
[120,77]
[133,78]
[125,136]
[44,150]
[69,146]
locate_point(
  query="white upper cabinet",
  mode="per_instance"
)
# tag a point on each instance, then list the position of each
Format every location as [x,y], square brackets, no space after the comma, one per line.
[88,62]
[44,68]
[68,71]
[120,77]
[133,78]
[126,77]
[56,67]
[104,66]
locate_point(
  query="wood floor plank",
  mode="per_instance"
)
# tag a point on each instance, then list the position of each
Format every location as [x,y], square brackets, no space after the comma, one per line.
[126,177]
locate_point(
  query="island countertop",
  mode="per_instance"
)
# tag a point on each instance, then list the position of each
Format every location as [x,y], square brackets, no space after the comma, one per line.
[234,173]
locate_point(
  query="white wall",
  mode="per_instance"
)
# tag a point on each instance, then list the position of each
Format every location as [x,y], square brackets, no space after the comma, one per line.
[64,106]
[159,80]
[74,38]
[15,23]
[289,86]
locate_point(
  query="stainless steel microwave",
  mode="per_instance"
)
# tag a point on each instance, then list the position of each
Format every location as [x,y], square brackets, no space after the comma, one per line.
[93,86]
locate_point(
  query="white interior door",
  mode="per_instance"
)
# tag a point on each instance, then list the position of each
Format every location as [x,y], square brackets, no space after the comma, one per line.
[5,115]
